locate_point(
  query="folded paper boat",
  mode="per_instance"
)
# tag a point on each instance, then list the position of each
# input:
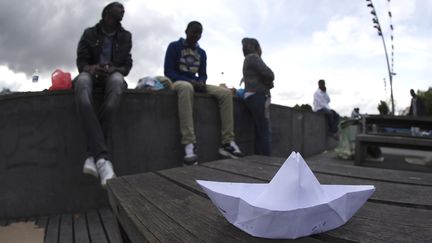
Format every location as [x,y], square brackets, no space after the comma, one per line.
[292,205]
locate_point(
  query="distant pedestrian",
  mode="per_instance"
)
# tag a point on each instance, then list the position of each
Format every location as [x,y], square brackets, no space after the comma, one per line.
[103,60]
[321,104]
[258,79]
[417,107]
[355,114]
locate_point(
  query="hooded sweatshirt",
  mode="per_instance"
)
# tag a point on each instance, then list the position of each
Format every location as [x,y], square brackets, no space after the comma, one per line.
[257,76]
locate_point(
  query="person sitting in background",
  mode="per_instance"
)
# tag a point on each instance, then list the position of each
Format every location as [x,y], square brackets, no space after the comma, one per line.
[321,105]
[186,64]
[258,79]
[355,114]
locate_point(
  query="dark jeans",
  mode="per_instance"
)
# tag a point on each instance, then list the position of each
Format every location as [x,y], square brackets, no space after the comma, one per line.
[332,119]
[97,126]
[259,105]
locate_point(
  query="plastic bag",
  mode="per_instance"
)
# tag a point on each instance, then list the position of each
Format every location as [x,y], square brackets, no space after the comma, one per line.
[60,80]
[154,83]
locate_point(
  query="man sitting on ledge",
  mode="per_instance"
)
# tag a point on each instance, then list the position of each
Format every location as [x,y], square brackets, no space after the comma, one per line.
[185,64]
[321,104]
[103,60]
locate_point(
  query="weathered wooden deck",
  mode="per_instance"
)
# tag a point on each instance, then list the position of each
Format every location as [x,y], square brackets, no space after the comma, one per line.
[168,205]
[94,226]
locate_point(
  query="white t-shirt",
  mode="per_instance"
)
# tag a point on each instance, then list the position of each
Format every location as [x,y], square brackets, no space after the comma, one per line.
[321,100]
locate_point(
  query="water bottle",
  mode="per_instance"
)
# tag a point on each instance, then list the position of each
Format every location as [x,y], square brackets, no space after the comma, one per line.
[35,76]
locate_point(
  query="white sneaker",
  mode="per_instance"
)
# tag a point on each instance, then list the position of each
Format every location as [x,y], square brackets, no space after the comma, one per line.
[105,170]
[90,167]
[190,157]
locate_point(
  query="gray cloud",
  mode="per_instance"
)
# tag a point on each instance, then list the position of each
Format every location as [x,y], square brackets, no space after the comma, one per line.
[44,34]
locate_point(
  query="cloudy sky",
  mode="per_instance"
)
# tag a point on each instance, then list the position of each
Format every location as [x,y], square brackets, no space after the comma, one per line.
[302,41]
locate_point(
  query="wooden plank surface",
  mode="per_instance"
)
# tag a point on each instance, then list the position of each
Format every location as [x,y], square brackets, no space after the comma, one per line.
[52,229]
[396,140]
[110,224]
[399,211]
[96,230]
[142,220]
[81,233]
[66,229]
[183,211]
[379,218]
[99,225]
[327,164]
[399,121]
[385,191]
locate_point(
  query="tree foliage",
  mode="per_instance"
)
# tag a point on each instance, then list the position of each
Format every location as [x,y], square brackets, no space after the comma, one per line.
[426,96]
[303,107]
[383,108]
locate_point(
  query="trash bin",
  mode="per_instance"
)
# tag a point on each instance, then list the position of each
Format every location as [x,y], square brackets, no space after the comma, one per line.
[347,138]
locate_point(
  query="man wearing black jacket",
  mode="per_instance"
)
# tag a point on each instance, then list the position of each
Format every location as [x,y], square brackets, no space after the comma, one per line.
[103,60]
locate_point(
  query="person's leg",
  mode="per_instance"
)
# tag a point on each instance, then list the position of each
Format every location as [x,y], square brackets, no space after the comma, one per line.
[83,88]
[259,106]
[335,121]
[113,91]
[185,100]
[225,102]
[329,118]
[226,111]
[114,86]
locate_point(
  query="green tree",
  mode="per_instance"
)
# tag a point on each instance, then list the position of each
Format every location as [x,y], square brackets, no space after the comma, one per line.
[426,96]
[303,107]
[383,108]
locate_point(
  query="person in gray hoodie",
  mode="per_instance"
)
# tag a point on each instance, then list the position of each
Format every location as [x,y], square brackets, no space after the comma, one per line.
[258,79]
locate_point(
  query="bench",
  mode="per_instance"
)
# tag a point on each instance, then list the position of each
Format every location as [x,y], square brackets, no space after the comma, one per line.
[392,131]
[364,140]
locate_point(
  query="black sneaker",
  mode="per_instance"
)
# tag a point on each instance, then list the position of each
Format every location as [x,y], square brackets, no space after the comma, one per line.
[230,150]
[190,157]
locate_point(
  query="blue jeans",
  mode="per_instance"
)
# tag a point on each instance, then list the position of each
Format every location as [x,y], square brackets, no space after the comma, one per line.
[97,126]
[259,106]
[332,119]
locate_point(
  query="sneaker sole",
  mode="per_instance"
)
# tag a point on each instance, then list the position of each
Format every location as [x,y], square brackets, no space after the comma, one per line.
[104,186]
[191,160]
[227,154]
[190,164]
[90,172]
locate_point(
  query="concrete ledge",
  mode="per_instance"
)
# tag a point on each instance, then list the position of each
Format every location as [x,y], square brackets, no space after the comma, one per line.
[42,146]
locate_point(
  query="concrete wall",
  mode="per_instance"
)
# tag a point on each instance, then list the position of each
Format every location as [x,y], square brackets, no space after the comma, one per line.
[42,146]
[293,130]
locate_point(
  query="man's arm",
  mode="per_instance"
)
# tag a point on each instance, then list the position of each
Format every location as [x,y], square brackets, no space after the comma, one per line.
[83,54]
[202,71]
[171,64]
[126,45]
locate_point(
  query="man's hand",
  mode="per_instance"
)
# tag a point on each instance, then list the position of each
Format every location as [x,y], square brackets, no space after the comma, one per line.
[111,69]
[97,69]
[101,70]
[91,69]
[199,87]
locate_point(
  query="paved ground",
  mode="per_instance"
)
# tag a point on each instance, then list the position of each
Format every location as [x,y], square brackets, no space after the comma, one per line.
[22,232]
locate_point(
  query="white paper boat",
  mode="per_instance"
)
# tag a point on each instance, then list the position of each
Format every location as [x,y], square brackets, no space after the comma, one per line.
[292,205]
